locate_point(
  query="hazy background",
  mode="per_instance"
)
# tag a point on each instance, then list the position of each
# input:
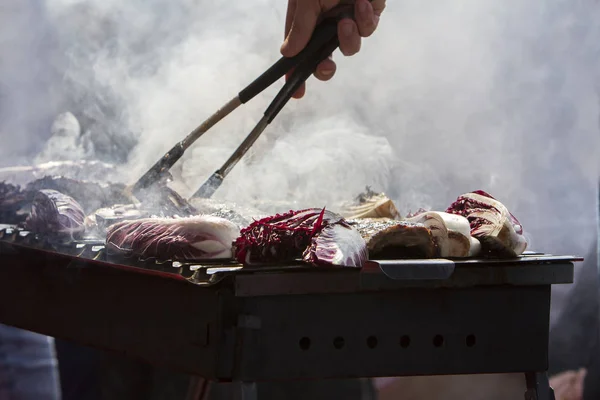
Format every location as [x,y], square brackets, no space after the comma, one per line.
[445,98]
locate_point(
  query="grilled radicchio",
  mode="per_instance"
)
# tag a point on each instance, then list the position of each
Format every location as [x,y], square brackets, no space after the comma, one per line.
[499,232]
[53,212]
[182,239]
[316,236]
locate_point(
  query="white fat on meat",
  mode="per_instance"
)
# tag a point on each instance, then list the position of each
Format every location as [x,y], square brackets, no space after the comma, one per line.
[452,233]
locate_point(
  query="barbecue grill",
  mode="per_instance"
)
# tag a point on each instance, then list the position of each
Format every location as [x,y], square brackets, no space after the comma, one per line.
[228,323]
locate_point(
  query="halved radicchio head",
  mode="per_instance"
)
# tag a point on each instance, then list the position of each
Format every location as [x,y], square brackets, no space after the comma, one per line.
[56,213]
[181,239]
[499,232]
[316,236]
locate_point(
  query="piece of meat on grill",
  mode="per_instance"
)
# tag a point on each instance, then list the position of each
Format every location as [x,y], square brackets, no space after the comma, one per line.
[391,239]
[54,213]
[451,233]
[370,204]
[180,239]
[236,213]
[500,233]
[316,236]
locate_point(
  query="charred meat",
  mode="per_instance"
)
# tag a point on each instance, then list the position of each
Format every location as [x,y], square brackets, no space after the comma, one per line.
[391,239]
[499,232]
[181,239]
[55,213]
[451,233]
[314,235]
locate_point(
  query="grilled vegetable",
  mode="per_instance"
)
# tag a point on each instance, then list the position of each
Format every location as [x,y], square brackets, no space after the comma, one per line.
[53,212]
[314,235]
[499,232]
[182,239]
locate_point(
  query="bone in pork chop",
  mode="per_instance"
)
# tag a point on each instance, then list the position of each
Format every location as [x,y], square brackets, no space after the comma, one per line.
[314,235]
[500,233]
[181,239]
[54,213]
[391,239]
[451,233]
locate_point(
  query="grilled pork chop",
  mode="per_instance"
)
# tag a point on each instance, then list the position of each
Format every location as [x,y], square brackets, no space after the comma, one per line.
[392,239]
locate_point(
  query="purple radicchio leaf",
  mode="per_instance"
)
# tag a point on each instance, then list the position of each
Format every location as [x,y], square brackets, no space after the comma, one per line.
[182,239]
[337,244]
[56,213]
[291,236]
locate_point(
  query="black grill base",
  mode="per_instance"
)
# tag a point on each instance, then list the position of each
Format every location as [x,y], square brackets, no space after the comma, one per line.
[212,333]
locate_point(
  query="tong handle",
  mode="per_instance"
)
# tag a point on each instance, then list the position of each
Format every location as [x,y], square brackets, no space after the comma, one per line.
[322,34]
[299,76]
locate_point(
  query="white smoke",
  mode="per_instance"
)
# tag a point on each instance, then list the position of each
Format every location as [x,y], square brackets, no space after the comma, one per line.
[445,98]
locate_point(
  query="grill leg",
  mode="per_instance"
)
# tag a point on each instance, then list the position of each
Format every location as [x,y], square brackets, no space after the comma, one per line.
[198,389]
[538,387]
[245,391]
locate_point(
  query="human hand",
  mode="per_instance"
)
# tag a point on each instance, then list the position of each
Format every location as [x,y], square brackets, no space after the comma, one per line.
[568,385]
[302,17]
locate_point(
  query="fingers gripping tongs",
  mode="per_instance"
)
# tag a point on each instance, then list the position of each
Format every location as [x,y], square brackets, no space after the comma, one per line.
[323,42]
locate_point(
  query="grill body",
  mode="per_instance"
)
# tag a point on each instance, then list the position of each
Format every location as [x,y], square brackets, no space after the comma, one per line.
[290,324]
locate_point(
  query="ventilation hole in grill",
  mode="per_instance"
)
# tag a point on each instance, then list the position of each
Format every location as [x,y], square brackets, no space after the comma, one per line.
[372,342]
[405,341]
[339,342]
[304,343]
[438,341]
[471,340]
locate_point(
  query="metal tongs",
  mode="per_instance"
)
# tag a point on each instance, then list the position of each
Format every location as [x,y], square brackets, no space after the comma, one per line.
[323,42]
